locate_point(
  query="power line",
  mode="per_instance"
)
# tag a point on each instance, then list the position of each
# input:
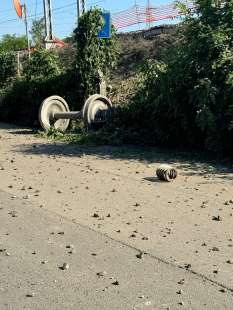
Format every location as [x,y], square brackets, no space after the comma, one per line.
[8,21]
[39,14]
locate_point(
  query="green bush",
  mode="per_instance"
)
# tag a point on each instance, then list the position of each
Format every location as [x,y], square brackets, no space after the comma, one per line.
[45,74]
[7,67]
[94,55]
[42,65]
[20,101]
[187,99]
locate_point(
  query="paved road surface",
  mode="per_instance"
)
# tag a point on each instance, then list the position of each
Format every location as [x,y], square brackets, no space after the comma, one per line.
[108,202]
[36,243]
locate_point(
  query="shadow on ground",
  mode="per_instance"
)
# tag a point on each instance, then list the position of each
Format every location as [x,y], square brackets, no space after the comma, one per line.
[24,132]
[190,163]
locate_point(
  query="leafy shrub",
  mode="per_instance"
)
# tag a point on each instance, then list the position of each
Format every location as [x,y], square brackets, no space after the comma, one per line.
[7,67]
[94,55]
[20,102]
[43,65]
[45,74]
[42,78]
[187,98]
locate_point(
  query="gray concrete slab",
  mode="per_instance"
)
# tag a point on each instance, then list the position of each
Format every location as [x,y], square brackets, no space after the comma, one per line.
[171,221]
[34,245]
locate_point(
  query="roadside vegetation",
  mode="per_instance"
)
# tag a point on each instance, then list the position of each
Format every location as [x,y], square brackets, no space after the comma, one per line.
[186,99]
[72,75]
[173,91]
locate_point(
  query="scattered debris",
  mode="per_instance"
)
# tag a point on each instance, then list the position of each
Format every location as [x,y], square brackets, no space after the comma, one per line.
[215,249]
[217,218]
[44,262]
[65,266]
[13,213]
[140,255]
[132,236]
[102,273]
[222,290]
[115,283]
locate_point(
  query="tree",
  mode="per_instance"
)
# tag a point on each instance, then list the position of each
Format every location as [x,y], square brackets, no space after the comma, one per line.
[94,55]
[38,32]
[7,68]
[10,43]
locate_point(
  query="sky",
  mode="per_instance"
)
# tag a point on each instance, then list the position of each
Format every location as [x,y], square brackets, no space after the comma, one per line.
[64,13]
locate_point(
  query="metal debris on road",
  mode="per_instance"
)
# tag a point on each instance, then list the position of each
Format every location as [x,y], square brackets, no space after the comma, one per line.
[166,173]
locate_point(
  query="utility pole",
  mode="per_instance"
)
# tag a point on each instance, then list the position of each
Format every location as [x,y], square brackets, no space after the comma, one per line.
[26,26]
[48,24]
[78,10]
[81,8]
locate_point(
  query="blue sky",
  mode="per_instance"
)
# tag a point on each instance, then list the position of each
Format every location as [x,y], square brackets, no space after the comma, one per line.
[64,16]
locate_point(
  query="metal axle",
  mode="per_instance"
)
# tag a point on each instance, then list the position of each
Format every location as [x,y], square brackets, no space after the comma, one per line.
[54,112]
[68,115]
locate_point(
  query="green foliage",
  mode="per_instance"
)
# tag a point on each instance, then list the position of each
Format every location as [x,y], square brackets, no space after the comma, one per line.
[94,55]
[37,32]
[7,67]
[43,65]
[46,75]
[81,136]
[187,99]
[20,102]
[42,77]
[10,43]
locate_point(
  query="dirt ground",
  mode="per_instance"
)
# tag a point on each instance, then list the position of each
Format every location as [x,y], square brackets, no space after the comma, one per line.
[114,191]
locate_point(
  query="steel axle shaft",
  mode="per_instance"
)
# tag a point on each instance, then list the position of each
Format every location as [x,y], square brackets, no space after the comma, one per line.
[68,115]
